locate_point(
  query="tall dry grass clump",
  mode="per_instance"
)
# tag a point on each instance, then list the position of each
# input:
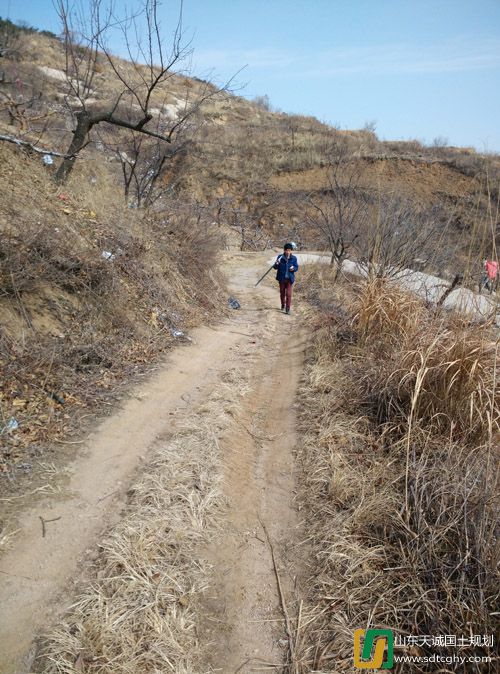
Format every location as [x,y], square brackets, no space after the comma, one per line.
[385,315]
[431,369]
[451,383]
[400,480]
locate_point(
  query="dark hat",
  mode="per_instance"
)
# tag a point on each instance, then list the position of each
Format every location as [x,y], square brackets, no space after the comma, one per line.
[288,246]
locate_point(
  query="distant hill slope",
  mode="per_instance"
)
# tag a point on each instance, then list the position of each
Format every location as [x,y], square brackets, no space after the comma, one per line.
[250,167]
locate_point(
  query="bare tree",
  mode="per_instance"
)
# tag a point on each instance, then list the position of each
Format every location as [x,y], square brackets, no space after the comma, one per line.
[386,233]
[149,165]
[339,212]
[239,217]
[143,166]
[21,97]
[397,236]
[86,32]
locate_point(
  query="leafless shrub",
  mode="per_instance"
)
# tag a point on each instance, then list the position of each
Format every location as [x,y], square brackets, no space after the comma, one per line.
[406,147]
[9,38]
[197,248]
[53,258]
[263,102]
[399,232]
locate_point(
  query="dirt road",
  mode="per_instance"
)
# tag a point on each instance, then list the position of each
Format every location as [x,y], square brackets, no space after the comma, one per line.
[241,616]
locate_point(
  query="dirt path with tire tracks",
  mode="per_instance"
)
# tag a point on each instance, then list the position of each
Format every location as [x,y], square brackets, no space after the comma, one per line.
[242,618]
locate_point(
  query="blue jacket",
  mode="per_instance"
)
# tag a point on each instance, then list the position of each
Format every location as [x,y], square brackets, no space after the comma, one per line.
[282,265]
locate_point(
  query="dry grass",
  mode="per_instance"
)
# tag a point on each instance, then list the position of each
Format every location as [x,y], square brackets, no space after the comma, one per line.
[400,480]
[451,384]
[139,612]
[6,538]
[439,370]
[386,315]
[75,325]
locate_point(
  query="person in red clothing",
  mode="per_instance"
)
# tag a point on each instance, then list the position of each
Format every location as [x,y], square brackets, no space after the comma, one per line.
[489,278]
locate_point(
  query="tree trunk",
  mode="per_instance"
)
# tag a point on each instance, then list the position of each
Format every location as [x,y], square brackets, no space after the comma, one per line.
[340,260]
[83,126]
[456,282]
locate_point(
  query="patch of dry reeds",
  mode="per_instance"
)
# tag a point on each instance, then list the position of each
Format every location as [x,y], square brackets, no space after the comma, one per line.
[386,315]
[438,371]
[400,480]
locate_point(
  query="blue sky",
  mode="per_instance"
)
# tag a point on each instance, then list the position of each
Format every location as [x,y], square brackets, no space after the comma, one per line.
[416,68]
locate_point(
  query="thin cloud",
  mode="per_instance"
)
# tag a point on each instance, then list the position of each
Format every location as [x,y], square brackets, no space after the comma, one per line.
[455,56]
[451,56]
[399,58]
[254,58]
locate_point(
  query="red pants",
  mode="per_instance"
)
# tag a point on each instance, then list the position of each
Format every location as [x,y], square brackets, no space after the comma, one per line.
[286,293]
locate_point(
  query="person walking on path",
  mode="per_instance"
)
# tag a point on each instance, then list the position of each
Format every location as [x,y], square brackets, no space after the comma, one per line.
[286,266]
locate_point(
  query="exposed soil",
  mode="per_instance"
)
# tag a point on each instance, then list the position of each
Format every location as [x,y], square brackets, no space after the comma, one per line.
[244,611]
[415,179]
[242,615]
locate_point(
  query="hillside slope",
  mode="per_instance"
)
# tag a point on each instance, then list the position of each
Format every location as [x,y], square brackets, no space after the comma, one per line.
[250,168]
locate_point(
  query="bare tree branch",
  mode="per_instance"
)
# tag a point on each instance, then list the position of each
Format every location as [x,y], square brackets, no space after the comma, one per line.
[25,143]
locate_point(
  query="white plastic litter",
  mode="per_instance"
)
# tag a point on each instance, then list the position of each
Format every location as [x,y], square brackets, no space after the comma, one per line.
[107,255]
[11,425]
[178,334]
[47,160]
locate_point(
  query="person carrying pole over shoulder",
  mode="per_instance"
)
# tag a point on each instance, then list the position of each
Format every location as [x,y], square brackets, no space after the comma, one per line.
[286,266]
